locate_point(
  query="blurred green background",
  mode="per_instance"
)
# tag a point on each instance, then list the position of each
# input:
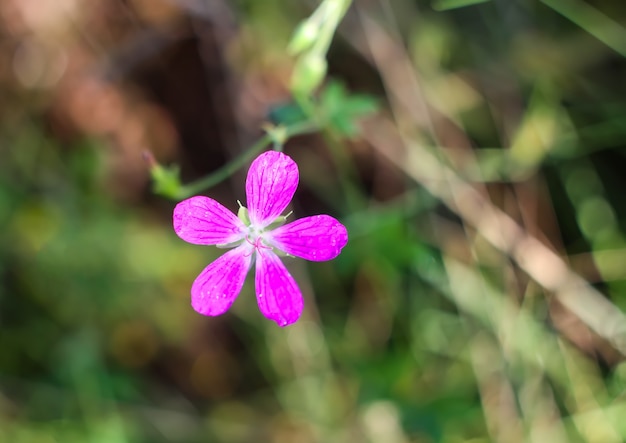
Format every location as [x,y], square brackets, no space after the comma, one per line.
[480,296]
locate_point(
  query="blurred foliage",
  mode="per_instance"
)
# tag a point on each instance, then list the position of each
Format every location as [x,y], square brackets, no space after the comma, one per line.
[420,331]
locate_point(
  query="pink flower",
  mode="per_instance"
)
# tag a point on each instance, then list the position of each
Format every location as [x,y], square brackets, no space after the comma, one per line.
[256,235]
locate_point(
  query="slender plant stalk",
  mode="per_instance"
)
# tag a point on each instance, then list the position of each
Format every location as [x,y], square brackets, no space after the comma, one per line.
[221,174]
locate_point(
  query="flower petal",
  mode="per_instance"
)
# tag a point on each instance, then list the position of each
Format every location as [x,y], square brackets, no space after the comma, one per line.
[217,287]
[315,238]
[203,221]
[277,293]
[272,181]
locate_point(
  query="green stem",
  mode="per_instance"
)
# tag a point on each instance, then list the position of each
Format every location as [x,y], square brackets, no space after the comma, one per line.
[335,9]
[242,159]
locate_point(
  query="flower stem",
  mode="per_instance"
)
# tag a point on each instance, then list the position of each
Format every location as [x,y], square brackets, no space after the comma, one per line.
[242,159]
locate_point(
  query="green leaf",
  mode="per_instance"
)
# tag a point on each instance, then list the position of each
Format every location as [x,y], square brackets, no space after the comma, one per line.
[340,110]
[287,114]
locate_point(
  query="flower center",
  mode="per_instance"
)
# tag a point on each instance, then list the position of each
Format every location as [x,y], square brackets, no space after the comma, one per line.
[255,238]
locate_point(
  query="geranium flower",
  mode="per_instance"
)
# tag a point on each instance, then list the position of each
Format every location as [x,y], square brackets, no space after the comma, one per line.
[257,235]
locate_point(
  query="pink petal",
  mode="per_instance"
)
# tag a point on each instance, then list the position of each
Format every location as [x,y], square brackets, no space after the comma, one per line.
[277,293]
[216,288]
[203,221]
[272,181]
[316,238]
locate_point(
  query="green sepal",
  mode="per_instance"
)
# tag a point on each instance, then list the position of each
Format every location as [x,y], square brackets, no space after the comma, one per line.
[243,215]
[229,245]
[278,222]
[166,180]
[278,134]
